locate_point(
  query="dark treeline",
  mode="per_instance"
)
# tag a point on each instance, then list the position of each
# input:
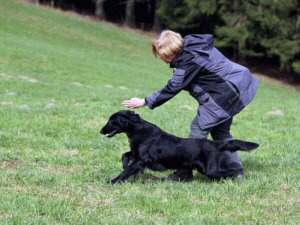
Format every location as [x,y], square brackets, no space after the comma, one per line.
[262,32]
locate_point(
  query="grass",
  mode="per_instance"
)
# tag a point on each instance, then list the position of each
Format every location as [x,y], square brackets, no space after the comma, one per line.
[61,76]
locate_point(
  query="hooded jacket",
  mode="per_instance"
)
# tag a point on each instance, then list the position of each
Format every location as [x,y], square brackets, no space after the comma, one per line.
[221,87]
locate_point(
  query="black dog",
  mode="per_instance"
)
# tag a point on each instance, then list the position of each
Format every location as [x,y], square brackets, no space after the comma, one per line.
[155,149]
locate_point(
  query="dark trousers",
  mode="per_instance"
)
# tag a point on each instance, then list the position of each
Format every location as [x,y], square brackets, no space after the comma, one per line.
[221,132]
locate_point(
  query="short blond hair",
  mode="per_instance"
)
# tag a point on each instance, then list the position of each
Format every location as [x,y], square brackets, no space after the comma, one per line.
[168,43]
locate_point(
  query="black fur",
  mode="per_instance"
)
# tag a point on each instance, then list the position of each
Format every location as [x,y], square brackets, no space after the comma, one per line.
[155,149]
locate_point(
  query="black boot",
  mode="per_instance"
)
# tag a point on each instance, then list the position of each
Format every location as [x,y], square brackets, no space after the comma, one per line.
[181,175]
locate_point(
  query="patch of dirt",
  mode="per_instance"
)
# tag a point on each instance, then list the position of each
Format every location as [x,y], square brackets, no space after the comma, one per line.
[108,86]
[275,112]
[187,107]
[11,164]
[123,88]
[29,79]
[5,215]
[51,105]
[24,107]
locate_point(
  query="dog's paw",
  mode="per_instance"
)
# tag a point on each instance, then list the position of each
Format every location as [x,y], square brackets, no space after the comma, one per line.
[112,182]
[115,181]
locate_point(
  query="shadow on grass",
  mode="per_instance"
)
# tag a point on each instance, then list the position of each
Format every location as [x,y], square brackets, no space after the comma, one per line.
[149,178]
[251,165]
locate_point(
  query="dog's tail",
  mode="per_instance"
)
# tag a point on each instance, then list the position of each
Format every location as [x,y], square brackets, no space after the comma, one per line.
[235,145]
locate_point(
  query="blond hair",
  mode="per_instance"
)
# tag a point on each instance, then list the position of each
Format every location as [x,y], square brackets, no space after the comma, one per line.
[167,44]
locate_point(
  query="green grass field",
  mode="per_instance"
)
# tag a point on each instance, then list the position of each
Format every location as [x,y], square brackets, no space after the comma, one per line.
[62,75]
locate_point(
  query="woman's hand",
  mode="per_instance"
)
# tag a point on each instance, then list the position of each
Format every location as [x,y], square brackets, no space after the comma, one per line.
[134,103]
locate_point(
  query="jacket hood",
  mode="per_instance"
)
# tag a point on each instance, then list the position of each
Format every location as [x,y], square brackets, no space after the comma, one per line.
[191,43]
[198,42]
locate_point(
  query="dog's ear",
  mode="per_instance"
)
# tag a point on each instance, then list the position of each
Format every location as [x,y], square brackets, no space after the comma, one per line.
[135,118]
[132,116]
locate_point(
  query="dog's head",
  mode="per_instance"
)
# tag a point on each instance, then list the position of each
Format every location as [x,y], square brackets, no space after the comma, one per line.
[120,122]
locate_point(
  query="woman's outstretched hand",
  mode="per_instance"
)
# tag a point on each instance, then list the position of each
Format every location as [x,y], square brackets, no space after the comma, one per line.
[134,103]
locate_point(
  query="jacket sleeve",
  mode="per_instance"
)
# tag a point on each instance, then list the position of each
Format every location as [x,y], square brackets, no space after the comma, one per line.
[180,79]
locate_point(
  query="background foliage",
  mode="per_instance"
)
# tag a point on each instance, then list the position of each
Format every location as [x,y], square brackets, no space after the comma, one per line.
[257,29]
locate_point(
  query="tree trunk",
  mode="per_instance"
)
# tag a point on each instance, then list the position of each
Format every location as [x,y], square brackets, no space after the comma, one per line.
[156,27]
[130,17]
[99,12]
[59,3]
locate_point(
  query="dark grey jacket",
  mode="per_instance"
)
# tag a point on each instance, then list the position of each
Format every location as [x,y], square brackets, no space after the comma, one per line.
[222,87]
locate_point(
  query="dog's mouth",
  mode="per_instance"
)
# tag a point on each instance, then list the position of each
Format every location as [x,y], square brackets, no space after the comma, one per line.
[111,134]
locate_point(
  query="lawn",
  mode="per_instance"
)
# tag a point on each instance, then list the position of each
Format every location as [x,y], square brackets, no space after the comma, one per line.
[62,76]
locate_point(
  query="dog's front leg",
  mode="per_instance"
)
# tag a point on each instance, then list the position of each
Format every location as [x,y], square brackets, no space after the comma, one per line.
[126,158]
[134,168]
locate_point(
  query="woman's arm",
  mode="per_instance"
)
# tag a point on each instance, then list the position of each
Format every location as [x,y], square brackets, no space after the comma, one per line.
[180,79]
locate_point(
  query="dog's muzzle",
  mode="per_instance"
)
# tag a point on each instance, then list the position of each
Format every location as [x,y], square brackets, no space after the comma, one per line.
[110,134]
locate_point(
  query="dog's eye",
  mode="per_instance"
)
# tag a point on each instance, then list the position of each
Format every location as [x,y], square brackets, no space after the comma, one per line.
[114,122]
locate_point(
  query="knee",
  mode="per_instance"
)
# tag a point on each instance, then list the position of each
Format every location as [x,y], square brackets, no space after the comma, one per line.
[198,134]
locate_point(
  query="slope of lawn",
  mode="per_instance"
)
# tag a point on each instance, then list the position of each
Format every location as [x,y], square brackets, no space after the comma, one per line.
[62,76]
